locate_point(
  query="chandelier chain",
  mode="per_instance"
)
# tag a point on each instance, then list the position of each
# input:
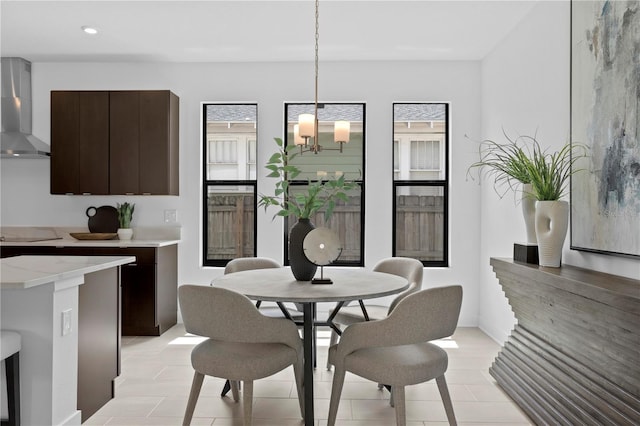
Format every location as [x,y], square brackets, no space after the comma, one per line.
[315,139]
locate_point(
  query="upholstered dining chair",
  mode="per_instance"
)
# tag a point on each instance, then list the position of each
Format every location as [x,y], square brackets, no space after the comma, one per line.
[242,345]
[279,311]
[396,349]
[405,267]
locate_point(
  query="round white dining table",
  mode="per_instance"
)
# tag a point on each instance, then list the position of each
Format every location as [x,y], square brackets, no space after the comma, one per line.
[279,285]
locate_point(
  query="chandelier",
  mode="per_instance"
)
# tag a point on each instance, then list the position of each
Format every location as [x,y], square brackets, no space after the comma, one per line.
[307,126]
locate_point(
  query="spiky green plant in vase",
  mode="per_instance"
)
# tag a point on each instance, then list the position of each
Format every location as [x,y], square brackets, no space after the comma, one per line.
[550,174]
[125,215]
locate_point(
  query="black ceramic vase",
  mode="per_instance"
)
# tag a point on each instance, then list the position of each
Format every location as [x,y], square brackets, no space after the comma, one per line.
[302,269]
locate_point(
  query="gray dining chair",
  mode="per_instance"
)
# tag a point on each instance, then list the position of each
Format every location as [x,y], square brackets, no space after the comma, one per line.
[396,349]
[405,267]
[242,346]
[279,311]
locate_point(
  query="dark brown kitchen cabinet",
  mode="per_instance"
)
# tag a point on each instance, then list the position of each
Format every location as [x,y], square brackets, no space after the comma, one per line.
[149,287]
[80,142]
[139,154]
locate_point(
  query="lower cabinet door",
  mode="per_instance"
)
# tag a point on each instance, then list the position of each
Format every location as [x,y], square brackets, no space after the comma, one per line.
[98,340]
[139,300]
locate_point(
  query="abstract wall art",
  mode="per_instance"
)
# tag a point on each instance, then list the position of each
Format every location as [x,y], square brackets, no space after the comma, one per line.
[605,111]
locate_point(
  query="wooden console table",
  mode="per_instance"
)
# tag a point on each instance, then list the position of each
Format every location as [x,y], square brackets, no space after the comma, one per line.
[574,356]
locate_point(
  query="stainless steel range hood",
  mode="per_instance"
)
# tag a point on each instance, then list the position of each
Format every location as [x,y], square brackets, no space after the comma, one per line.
[16,140]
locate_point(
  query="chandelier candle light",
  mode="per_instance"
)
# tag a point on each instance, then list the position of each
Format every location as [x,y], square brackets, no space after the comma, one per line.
[307,126]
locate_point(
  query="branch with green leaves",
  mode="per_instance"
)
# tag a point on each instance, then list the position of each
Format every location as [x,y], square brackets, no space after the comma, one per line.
[319,194]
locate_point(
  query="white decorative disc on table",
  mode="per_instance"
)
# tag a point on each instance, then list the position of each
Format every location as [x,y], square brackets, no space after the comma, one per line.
[322,246]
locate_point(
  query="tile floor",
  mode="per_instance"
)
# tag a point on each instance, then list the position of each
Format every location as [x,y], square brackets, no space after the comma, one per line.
[156,378]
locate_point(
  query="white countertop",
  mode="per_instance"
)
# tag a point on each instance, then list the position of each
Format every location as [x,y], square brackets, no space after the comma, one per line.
[23,272]
[69,242]
[142,237]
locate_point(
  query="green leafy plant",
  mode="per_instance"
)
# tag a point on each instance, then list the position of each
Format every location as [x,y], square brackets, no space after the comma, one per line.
[522,160]
[320,194]
[507,163]
[549,173]
[125,214]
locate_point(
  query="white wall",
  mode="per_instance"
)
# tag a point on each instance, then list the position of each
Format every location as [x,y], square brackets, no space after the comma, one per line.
[25,183]
[525,88]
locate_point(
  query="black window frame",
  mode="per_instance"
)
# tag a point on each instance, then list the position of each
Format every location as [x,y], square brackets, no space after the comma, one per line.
[212,183]
[361,183]
[435,183]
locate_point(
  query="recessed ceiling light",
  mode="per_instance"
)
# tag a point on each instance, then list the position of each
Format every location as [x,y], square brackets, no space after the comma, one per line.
[89,30]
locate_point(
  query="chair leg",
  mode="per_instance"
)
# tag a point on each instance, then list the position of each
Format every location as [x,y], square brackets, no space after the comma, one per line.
[391,400]
[235,390]
[226,388]
[332,341]
[397,392]
[247,401]
[12,367]
[336,391]
[193,398]
[298,372]
[446,400]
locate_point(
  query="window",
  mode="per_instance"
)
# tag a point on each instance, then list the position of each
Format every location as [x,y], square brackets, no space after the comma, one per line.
[229,197]
[420,186]
[348,217]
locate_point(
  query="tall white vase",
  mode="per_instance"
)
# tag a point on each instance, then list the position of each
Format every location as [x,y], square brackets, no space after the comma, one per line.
[552,222]
[529,213]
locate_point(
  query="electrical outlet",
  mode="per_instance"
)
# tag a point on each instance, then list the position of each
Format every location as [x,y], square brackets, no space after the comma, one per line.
[170,216]
[66,322]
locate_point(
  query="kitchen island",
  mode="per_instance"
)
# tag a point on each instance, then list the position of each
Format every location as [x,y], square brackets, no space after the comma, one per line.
[62,306]
[148,286]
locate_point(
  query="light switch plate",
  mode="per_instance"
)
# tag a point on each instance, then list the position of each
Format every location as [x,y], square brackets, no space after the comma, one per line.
[170,216]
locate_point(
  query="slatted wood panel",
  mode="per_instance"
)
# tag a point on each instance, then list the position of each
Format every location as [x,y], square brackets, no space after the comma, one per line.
[420,226]
[228,235]
[573,357]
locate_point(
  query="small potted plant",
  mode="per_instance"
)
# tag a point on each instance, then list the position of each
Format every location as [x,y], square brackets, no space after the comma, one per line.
[125,215]
[320,194]
[545,178]
[549,174]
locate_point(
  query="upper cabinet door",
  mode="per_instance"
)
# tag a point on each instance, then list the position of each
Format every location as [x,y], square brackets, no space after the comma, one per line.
[79,142]
[158,147]
[124,152]
[94,142]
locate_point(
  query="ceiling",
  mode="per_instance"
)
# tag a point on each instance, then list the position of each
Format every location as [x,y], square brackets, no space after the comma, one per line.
[255,31]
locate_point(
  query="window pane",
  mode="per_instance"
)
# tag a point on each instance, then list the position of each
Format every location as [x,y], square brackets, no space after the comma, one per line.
[419,130]
[230,136]
[350,161]
[230,221]
[420,222]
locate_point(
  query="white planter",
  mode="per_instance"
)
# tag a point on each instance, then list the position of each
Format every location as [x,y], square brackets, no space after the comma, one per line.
[528,201]
[552,222]
[125,233]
